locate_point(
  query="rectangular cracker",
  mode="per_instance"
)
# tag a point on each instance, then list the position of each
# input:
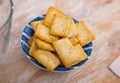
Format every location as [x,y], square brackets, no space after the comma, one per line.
[74,40]
[44,45]
[61,64]
[50,15]
[31,40]
[73,30]
[32,48]
[85,36]
[35,24]
[66,52]
[80,51]
[43,33]
[47,59]
[60,26]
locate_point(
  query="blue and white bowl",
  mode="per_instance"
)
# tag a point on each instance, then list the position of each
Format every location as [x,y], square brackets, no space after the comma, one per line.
[28,33]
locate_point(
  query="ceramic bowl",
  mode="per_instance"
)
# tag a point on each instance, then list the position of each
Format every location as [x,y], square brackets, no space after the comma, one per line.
[28,33]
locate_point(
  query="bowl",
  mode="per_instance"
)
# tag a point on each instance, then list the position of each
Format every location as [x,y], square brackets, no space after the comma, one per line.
[28,32]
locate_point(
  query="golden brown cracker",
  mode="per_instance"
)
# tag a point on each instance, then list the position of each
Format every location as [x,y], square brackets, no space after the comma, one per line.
[35,24]
[42,32]
[44,45]
[66,52]
[47,59]
[32,48]
[85,36]
[80,51]
[60,26]
[74,40]
[50,15]
[30,41]
[73,30]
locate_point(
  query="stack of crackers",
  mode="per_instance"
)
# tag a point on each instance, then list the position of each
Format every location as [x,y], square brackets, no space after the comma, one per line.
[58,40]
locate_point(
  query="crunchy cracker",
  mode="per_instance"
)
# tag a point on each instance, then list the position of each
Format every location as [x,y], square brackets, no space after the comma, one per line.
[80,51]
[74,40]
[42,32]
[47,59]
[44,45]
[85,36]
[35,24]
[50,15]
[66,52]
[60,26]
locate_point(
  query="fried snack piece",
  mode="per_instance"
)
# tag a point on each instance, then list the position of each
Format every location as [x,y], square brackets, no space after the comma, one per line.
[74,40]
[35,24]
[61,64]
[44,45]
[32,48]
[60,26]
[85,36]
[80,51]
[47,59]
[31,40]
[73,30]
[66,52]
[42,32]
[50,15]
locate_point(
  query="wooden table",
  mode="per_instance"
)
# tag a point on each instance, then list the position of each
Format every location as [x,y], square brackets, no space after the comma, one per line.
[102,17]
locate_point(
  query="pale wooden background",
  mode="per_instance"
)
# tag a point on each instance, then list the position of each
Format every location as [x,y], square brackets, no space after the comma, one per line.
[102,17]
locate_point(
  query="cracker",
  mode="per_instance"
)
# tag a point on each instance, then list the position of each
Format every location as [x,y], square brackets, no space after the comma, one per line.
[60,26]
[47,59]
[85,36]
[32,48]
[66,52]
[42,32]
[73,30]
[44,45]
[50,15]
[31,40]
[36,23]
[80,51]
[74,40]
[61,64]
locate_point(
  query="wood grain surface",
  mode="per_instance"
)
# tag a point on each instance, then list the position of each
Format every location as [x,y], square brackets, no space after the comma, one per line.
[102,17]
